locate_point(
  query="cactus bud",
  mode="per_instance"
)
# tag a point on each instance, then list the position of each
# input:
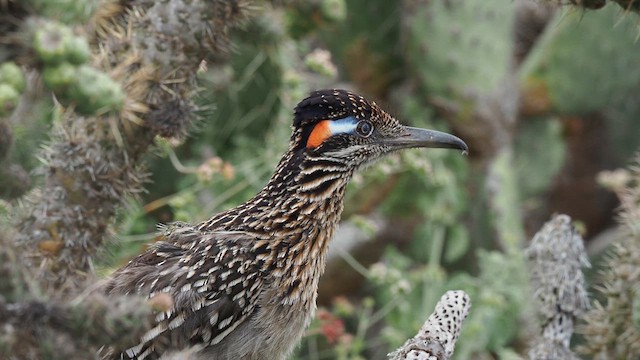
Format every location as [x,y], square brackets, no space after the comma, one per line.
[59,78]
[9,98]
[49,42]
[77,50]
[11,74]
[55,43]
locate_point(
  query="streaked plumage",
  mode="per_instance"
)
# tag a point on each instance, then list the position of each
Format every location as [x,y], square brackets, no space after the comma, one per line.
[244,283]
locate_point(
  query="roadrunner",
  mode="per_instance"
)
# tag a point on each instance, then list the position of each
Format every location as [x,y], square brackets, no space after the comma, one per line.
[244,283]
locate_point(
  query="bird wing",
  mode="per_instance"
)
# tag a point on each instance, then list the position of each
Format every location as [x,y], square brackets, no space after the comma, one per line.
[213,278]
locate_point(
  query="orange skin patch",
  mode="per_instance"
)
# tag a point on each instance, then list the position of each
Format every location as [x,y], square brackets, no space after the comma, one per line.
[320,133]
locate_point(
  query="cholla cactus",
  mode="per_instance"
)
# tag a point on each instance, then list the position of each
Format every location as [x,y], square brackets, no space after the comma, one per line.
[437,337]
[611,328]
[133,83]
[136,83]
[557,256]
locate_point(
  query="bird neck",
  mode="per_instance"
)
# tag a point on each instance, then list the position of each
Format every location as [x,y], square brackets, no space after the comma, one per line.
[304,193]
[297,211]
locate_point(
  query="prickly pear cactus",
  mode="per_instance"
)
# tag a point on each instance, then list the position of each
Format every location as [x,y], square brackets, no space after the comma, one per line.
[585,61]
[461,46]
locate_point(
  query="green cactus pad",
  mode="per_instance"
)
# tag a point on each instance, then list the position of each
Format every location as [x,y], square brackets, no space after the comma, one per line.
[586,60]
[461,46]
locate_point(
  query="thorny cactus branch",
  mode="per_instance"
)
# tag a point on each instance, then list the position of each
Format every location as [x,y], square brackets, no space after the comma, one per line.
[37,327]
[437,337]
[71,330]
[611,328]
[557,256]
[153,50]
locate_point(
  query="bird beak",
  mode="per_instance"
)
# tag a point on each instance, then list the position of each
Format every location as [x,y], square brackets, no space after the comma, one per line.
[415,137]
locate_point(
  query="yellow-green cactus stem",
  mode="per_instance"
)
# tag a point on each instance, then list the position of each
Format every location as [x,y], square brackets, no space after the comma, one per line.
[59,77]
[94,91]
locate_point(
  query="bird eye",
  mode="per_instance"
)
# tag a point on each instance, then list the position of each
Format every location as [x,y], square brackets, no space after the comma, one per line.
[364,128]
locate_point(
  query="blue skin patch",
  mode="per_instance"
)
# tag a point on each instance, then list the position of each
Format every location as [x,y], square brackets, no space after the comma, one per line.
[343,126]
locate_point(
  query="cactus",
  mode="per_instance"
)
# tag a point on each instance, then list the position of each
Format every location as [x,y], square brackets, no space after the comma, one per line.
[505,199]
[609,327]
[307,16]
[461,53]
[72,330]
[9,97]
[500,299]
[12,84]
[627,5]
[139,86]
[11,75]
[557,256]
[579,50]
[94,92]
[60,77]
[74,11]
[461,48]
[54,43]
[111,112]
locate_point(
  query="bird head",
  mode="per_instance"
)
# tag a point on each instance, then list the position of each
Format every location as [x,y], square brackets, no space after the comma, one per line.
[344,126]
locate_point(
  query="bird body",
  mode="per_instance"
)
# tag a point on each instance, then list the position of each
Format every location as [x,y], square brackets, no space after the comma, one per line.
[244,283]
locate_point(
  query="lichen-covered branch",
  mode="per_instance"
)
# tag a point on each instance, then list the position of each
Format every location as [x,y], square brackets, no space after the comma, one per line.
[437,337]
[557,256]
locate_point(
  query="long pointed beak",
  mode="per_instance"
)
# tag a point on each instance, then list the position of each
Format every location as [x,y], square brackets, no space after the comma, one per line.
[416,137]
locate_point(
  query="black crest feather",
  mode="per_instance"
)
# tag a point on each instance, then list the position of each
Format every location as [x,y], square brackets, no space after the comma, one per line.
[329,104]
